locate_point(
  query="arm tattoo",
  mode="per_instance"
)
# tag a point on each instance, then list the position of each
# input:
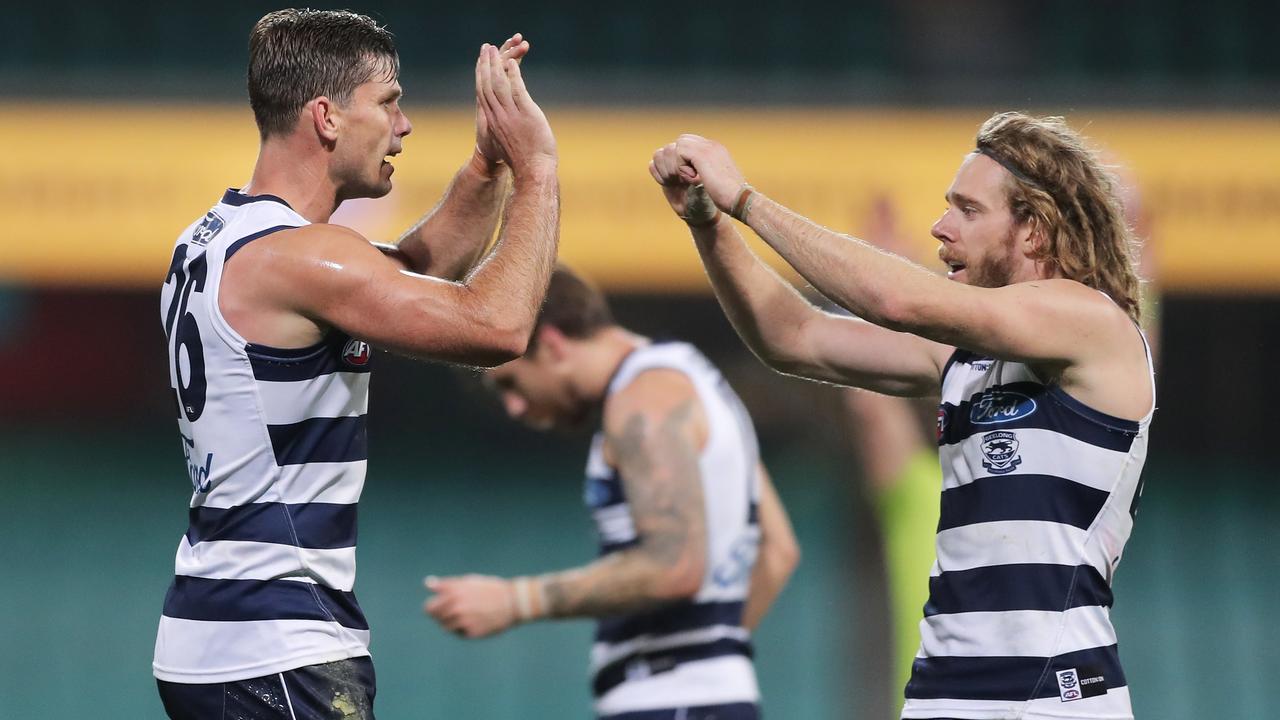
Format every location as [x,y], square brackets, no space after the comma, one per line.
[663,486]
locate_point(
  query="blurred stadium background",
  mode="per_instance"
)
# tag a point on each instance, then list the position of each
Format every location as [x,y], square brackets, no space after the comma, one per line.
[121,123]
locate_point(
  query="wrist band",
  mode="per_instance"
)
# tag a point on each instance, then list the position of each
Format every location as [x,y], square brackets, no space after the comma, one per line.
[530,598]
[743,202]
[520,587]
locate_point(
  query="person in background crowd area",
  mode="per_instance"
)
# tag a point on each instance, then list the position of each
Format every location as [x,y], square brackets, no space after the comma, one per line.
[900,466]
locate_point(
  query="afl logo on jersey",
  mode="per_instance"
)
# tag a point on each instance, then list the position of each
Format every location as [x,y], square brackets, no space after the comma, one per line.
[1001,451]
[1000,406]
[356,352]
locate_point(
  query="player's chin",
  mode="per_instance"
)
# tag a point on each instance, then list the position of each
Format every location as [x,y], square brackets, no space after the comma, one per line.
[381,186]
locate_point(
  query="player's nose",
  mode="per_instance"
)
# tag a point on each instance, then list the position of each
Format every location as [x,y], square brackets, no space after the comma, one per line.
[941,228]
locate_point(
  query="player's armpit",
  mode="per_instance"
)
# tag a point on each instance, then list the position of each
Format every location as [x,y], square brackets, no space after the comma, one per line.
[337,278]
[395,254]
[654,431]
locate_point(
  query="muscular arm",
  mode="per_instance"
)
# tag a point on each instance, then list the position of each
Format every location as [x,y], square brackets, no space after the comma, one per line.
[1061,325]
[1009,322]
[791,335]
[330,276]
[653,431]
[449,239]
[778,557]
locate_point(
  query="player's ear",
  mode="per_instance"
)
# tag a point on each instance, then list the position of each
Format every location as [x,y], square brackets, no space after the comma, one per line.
[324,117]
[554,342]
[1030,238]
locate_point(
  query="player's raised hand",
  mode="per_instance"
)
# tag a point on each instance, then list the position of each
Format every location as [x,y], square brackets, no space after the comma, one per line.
[697,160]
[515,48]
[472,606]
[520,133]
[687,199]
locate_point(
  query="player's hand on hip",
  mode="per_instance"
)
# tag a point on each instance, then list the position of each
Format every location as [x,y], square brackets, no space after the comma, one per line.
[471,606]
[515,48]
[695,159]
[518,129]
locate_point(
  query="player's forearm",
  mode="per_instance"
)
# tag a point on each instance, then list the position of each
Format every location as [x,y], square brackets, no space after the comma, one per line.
[449,239]
[765,309]
[624,582]
[779,554]
[887,435]
[869,282]
[772,571]
[509,283]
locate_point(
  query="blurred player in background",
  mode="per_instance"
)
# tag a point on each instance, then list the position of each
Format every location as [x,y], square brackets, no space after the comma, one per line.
[1047,395]
[694,543]
[270,313]
[900,466]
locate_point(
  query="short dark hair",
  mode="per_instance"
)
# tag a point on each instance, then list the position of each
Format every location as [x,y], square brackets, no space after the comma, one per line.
[573,306]
[296,56]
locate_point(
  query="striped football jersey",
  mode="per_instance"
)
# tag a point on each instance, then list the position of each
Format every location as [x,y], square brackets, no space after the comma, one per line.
[694,652]
[1038,498]
[275,447]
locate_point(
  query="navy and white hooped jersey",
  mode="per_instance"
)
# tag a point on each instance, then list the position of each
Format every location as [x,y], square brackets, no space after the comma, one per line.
[1038,498]
[695,652]
[276,452]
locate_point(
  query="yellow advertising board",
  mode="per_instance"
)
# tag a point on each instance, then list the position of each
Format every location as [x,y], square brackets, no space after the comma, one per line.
[95,194]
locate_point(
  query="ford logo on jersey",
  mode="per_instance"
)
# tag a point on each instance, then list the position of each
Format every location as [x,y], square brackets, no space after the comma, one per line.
[210,226]
[1000,406]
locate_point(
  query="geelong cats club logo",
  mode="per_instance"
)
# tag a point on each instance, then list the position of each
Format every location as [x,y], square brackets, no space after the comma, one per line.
[356,352]
[1001,451]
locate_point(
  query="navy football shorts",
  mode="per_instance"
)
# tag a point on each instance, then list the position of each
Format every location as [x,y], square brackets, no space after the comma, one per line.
[341,690]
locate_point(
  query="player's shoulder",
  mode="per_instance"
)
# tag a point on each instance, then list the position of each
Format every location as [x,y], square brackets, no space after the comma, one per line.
[315,241]
[1073,297]
[321,233]
[653,394]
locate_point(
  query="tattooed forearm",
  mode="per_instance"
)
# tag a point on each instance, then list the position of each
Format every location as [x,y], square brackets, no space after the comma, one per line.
[658,464]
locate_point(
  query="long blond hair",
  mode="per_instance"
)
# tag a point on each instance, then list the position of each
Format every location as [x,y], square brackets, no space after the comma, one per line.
[1059,185]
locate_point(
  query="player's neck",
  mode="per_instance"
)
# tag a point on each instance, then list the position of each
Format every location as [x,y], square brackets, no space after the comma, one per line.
[299,177]
[607,350]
